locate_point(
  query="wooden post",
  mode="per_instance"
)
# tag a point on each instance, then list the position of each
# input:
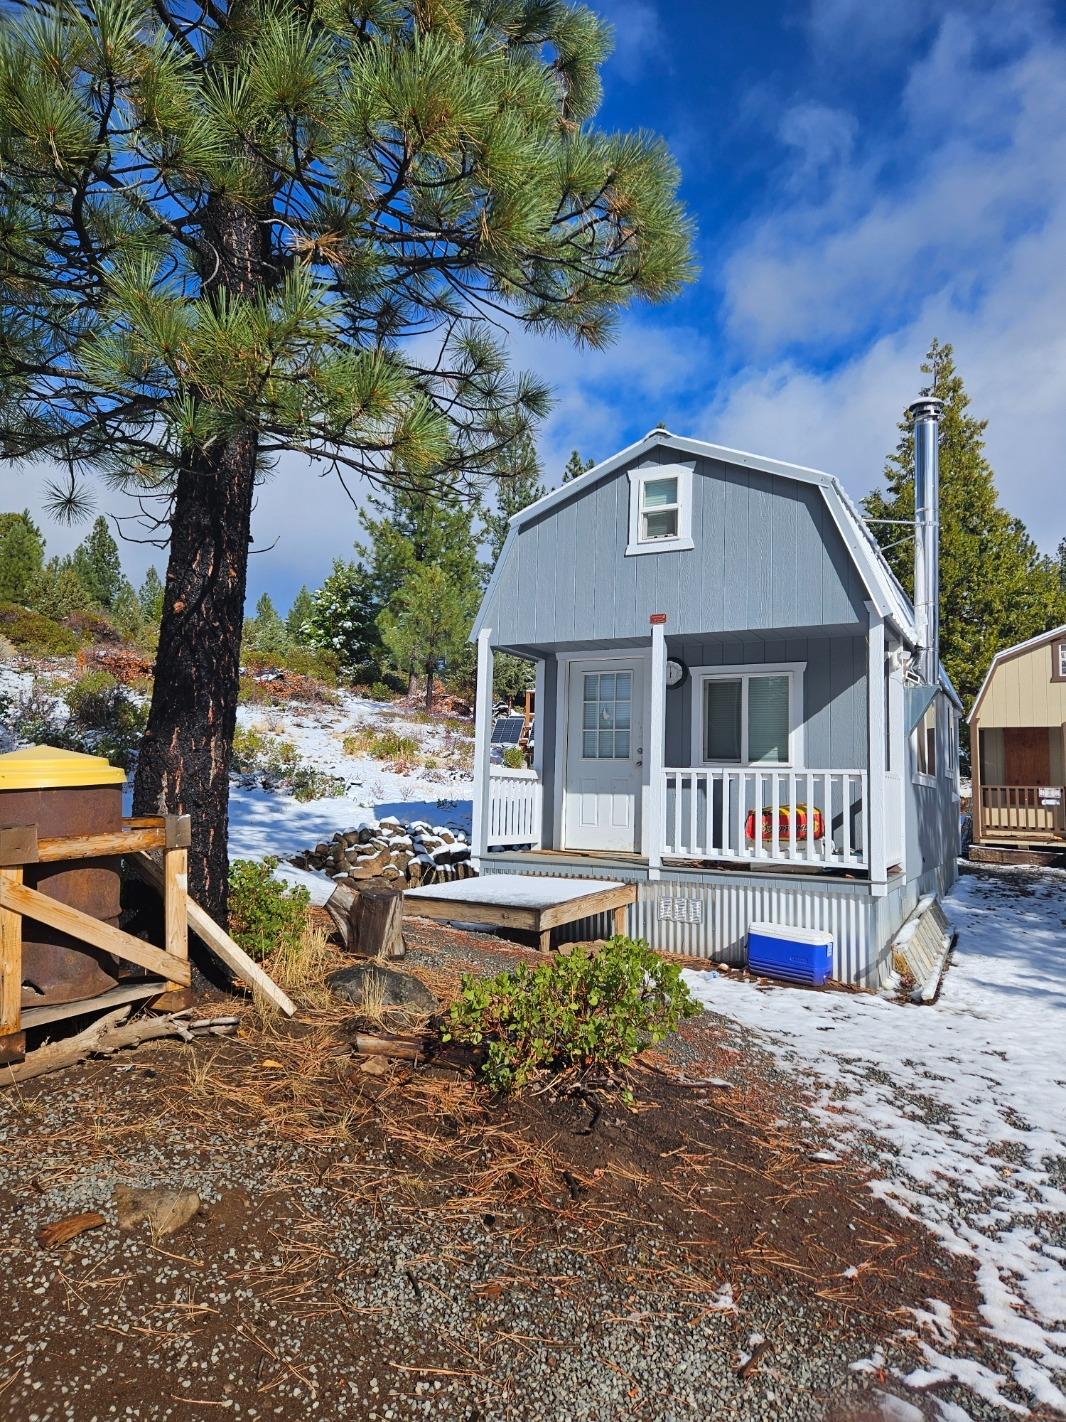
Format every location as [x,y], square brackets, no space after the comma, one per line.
[12,1040]
[876,784]
[975,797]
[176,905]
[621,920]
[481,813]
[655,745]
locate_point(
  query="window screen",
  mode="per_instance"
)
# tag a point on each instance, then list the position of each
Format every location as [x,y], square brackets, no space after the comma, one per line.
[768,719]
[721,719]
[606,712]
[659,508]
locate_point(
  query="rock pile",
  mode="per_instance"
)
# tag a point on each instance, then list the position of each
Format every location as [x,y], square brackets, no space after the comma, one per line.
[388,849]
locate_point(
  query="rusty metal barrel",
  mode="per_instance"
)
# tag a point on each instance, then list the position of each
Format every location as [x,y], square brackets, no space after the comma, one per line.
[63,794]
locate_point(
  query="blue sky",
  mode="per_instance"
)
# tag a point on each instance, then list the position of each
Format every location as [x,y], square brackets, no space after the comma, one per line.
[865,174]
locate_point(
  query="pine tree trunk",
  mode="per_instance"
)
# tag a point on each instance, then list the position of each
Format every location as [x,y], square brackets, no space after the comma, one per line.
[185,758]
[430,669]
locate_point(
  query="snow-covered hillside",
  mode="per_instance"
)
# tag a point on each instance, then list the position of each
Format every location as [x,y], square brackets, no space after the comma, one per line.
[434,786]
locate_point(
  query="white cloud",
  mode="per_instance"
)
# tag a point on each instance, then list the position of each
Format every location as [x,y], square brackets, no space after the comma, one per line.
[638,36]
[952,223]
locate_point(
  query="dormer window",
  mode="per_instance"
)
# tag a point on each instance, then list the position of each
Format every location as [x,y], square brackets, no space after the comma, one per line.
[660,508]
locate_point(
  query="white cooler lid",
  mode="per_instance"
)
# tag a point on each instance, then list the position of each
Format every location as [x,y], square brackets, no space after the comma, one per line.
[794,935]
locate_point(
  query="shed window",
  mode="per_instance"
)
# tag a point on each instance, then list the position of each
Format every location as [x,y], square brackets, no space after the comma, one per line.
[1058,661]
[925,737]
[747,718]
[660,508]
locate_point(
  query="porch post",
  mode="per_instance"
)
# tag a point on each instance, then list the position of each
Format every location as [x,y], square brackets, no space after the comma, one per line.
[976,798]
[655,744]
[876,783]
[539,722]
[480,816]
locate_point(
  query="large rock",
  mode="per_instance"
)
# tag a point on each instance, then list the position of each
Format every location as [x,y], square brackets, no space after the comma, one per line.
[372,984]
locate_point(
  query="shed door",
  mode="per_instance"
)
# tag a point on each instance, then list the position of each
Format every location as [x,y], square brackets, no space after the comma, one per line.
[604,751]
[1027,755]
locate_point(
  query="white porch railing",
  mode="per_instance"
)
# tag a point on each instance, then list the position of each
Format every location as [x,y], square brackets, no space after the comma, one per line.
[784,816]
[515,798]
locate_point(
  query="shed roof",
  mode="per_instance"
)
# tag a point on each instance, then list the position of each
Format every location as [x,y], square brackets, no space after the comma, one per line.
[1054,635]
[881,583]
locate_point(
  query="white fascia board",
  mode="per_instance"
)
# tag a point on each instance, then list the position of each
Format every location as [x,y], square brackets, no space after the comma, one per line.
[1053,636]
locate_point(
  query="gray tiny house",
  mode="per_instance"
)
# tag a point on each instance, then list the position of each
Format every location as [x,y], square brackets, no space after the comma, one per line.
[737,707]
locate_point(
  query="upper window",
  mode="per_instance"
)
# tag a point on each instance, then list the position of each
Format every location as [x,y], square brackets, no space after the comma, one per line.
[748,718]
[660,508]
[925,742]
[1058,661]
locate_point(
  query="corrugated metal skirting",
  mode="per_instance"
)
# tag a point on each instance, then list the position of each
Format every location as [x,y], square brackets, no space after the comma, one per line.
[709,918]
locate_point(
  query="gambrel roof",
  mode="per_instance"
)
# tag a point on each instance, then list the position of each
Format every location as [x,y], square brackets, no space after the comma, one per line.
[882,587]
[1056,634]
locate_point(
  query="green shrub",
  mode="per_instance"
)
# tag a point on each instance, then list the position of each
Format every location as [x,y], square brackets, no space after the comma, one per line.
[584,1009]
[265,915]
[104,717]
[378,744]
[514,758]
[34,634]
[276,762]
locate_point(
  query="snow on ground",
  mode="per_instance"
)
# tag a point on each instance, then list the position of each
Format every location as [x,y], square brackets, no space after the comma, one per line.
[963,1105]
[268,822]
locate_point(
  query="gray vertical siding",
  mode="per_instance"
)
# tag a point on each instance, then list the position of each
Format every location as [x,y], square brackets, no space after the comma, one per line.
[767,554]
[932,814]
[834,693]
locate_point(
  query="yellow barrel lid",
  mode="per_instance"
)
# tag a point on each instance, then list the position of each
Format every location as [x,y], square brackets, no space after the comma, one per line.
[49,768]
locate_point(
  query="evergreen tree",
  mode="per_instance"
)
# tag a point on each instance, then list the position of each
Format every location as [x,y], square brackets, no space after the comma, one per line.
[238,228]
[126,613]
[427,623]
[57,590]
[995,589]
[21,556]
[1060,563]
[299,615]
[98,565]
[343,620]
[265,634]
[519,486]
[576,466]
[150,597]
[426,525]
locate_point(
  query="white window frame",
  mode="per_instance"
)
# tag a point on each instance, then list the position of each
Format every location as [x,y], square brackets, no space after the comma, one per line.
[745,671]
[638,477]
[923,777]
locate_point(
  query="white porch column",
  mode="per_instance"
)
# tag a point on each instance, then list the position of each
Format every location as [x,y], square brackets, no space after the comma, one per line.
[480,818]
[876,785]
[655,744]
[539,722]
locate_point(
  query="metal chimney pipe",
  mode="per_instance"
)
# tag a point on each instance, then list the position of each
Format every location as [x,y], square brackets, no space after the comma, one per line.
[925,418]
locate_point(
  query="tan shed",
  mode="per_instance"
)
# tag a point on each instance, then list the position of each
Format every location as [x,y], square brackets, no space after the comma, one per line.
[1018,745]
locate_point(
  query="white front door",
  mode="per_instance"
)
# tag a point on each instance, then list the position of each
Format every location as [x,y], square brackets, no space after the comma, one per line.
[604,753]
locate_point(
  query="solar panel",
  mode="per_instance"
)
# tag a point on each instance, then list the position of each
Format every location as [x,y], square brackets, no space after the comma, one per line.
[507,731]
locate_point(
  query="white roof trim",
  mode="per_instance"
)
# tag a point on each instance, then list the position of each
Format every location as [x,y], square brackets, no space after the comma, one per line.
[1052,636]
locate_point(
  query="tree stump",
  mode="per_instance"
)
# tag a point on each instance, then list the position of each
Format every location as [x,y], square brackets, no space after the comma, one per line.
[369,919]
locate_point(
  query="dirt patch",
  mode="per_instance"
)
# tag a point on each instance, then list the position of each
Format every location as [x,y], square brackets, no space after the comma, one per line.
[401,1246]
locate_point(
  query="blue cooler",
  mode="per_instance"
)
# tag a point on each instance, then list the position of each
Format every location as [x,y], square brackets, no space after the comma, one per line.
[799,955]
